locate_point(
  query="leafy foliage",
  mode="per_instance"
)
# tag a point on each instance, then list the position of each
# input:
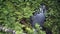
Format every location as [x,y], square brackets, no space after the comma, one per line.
[11,11]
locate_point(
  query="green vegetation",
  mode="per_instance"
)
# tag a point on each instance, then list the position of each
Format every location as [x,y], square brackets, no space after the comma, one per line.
[11,12]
